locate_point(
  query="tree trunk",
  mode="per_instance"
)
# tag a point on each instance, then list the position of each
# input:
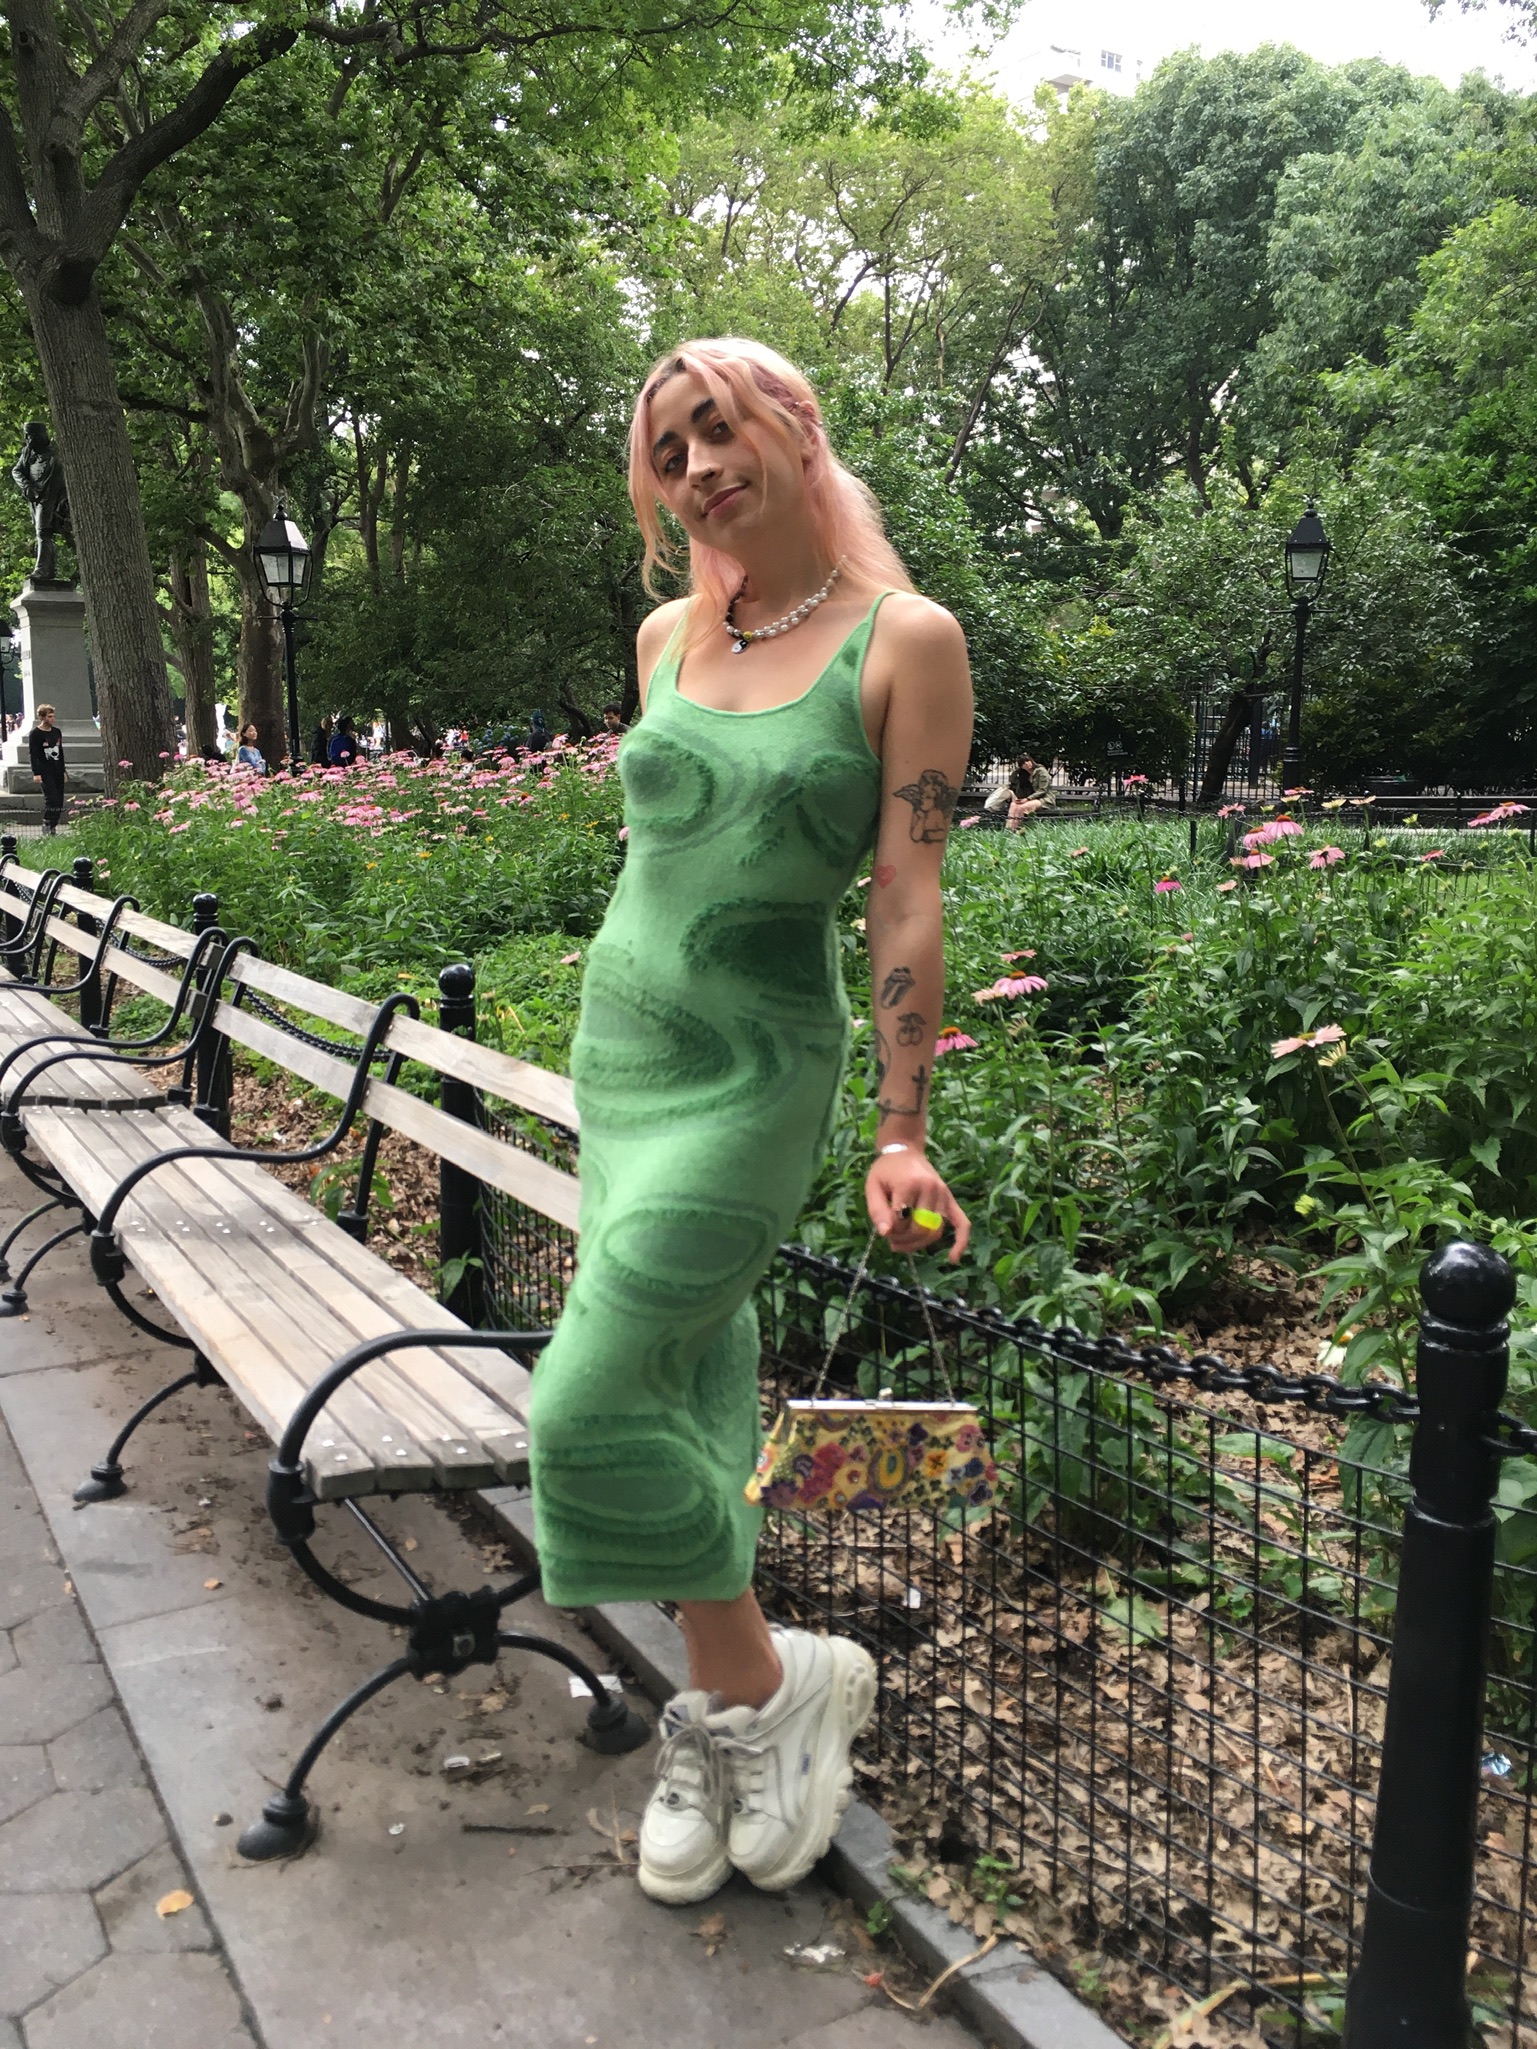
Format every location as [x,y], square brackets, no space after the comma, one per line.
[133,693]
[192,630]
[259,665]
[1240,712]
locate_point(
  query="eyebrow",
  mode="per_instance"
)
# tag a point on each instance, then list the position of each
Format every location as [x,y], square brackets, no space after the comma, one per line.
[705,405]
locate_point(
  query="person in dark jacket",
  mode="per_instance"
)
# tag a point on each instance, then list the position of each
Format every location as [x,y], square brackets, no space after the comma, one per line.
[45,743]
[320,746]
[344,748]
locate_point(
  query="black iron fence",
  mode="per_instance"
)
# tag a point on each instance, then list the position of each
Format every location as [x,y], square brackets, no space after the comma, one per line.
[1134,1712]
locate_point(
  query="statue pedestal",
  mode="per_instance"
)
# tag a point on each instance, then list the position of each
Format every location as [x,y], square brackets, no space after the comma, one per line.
[53,671]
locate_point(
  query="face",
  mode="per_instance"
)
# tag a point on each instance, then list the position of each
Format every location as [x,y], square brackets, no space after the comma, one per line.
[45,719]
[723,483]
[248,735]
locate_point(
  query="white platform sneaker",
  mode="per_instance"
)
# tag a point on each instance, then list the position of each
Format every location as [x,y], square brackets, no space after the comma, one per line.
[683,1833]
[788,1761]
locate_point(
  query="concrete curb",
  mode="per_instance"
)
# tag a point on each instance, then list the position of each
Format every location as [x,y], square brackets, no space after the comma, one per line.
[1010,1999]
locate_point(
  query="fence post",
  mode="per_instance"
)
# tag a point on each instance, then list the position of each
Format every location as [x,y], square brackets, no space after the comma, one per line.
[1409,1988]
[84,877]
[9,926]
[215,1079]
[459,1223]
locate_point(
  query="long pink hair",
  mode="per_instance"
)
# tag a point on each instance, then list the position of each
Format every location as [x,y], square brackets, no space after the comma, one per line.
[755,387]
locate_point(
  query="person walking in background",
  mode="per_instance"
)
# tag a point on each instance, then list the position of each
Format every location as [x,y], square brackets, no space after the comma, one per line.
[45,744]
[344,749]
[320,746]
[248,754]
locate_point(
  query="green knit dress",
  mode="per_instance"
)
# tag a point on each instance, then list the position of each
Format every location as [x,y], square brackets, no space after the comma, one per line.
[708,1057]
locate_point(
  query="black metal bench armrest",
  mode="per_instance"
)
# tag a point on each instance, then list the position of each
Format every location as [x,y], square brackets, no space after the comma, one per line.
[44,896]
[120,1050]
[107,1261]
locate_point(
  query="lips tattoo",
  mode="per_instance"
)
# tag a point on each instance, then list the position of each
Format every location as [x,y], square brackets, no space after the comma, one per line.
[896,986]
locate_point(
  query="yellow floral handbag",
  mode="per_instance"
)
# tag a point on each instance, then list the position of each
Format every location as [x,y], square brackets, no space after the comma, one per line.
[847,1454]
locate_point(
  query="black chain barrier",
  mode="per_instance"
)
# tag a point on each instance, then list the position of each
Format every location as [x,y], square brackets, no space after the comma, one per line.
[1112,1355]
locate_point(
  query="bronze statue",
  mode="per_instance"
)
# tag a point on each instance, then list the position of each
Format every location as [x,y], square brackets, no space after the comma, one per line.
[39,477]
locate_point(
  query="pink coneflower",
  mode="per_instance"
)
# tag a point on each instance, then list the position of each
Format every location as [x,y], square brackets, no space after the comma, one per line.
[952,1041]
[1254,861]
[1224,887]
[1435,854]
[1166,887]
[1495,817]
[1133,782]
[569,960]
[1230,810]
[965,822]
[1010,985]
[1325,857]
[1303,791]
[1024,953]
[1077,853]
[1326,1035]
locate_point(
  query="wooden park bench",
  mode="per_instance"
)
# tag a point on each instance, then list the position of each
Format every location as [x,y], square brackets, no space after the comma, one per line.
[365,1384]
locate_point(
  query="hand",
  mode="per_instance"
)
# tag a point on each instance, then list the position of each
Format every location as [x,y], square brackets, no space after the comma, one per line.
[899,1184]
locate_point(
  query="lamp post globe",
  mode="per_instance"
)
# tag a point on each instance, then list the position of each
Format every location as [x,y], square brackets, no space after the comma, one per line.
[283,560]
[1307,562]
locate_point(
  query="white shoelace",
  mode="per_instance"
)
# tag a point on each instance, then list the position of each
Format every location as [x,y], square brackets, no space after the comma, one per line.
[690,1769]
[747,1769]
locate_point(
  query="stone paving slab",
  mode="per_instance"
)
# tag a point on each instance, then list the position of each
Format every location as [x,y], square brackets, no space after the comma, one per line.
[419,1917]
[83,1842]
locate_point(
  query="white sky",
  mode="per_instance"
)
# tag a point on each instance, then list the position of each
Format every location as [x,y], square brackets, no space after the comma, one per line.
[1400,31]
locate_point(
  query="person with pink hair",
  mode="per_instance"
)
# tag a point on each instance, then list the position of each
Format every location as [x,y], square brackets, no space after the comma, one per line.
[803,709]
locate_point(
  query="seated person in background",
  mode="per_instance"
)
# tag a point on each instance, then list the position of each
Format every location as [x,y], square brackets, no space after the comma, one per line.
[248,754]
[1028,789]
[344,748]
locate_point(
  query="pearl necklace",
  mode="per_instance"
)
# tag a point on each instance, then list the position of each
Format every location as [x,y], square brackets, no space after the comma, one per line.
[743,636]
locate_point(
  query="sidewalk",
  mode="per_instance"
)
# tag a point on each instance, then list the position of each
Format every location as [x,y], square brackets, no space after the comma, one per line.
[432,1911]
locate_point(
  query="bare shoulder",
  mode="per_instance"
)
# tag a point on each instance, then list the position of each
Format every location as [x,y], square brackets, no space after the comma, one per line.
[656,629]
[652,636]
[915,625]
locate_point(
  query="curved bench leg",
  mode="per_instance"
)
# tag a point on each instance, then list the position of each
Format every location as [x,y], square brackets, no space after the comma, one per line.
[287,1825]
[60,1201]
[613,1726]
[106,1482]
[13,1301]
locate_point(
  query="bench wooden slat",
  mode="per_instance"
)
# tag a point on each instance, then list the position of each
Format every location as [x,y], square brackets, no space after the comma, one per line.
[315,999]
[153,931]
[285,1242]
[486,1067]
[226,1230]
[212,1317]
[523,1176]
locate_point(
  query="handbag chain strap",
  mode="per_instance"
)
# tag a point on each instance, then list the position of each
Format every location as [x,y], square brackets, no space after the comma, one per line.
[860,1273]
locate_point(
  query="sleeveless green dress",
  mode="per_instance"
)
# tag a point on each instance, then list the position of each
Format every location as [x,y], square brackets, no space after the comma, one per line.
[706,1067]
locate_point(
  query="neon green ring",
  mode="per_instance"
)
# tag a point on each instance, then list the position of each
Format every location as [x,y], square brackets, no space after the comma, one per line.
[930,1219]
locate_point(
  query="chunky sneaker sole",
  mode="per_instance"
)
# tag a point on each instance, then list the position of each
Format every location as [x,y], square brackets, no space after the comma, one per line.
[686,1888]
[829,1782]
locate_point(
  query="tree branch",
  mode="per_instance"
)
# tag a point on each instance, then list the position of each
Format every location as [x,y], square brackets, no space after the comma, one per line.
[20,242]
[106,205]
[74,107]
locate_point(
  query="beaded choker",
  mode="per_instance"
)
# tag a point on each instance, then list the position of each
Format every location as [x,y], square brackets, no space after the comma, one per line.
[742,637]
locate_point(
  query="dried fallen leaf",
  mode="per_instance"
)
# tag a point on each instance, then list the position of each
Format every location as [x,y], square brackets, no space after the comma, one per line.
[712,1932]
[408,1544]
[173,1903]
[542,1808]
[209,1585]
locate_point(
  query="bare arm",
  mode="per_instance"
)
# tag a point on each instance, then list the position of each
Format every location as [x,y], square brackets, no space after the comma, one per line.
[924,749]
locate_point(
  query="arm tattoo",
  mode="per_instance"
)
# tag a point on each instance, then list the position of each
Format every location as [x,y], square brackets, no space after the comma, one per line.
[896,986]
[912,1109]
[910,1028]
[933,798]
[882,1060]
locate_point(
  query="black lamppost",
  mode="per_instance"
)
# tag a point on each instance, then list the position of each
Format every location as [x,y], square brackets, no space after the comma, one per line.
[283,557]
[1307,559]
